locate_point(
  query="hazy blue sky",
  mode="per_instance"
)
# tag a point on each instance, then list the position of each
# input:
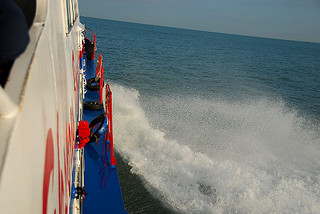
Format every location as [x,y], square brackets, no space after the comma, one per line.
[284,19]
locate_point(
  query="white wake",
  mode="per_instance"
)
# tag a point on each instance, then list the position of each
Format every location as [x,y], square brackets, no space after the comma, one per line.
[209,156]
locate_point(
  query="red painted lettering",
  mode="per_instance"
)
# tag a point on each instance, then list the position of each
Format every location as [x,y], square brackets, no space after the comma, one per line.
[48,170]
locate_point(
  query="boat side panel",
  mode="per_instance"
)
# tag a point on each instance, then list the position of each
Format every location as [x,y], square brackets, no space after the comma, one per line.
[36,175]
[101,178]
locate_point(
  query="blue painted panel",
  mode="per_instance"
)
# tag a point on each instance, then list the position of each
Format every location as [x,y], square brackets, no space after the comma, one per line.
[101,179]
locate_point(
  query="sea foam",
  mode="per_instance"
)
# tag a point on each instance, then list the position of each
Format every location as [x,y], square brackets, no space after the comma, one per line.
[212,156]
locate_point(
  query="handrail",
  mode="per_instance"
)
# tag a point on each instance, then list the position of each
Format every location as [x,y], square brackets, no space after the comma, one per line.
[92,40]
[99,73]
[99,65]
[101,85]
[109,117]
[93,35]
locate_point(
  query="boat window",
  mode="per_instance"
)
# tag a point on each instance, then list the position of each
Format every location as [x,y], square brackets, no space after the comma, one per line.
[67,15]
[72,11]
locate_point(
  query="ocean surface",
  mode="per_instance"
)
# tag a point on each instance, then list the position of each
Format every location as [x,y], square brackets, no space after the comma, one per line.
[213,123]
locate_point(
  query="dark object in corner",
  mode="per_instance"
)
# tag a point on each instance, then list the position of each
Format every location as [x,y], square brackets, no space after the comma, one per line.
[15,37]
[28,8]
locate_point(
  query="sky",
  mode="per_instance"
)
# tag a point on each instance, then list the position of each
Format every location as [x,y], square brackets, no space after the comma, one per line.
[281,19]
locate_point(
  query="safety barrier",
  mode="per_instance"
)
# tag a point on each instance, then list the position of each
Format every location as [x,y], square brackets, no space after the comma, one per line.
[99,73]
[92,39]
[99,65]
[108,98]
[108,104]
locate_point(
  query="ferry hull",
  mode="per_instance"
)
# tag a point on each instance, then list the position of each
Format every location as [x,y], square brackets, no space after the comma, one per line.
[43,83]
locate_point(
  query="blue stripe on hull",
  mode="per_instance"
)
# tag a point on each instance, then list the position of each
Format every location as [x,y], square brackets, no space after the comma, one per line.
[101,179]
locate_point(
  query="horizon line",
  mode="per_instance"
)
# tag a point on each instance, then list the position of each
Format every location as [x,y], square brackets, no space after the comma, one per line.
[201,30]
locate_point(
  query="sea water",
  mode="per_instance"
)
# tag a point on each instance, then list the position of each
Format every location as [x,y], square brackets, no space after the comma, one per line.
[214,123]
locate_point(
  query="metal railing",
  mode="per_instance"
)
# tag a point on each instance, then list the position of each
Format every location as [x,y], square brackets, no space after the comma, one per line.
[99,73]
[108,103]
[92,39]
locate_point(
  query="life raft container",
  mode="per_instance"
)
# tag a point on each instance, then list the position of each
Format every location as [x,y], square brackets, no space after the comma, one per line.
[97,126]
[93,84]
[92,105]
